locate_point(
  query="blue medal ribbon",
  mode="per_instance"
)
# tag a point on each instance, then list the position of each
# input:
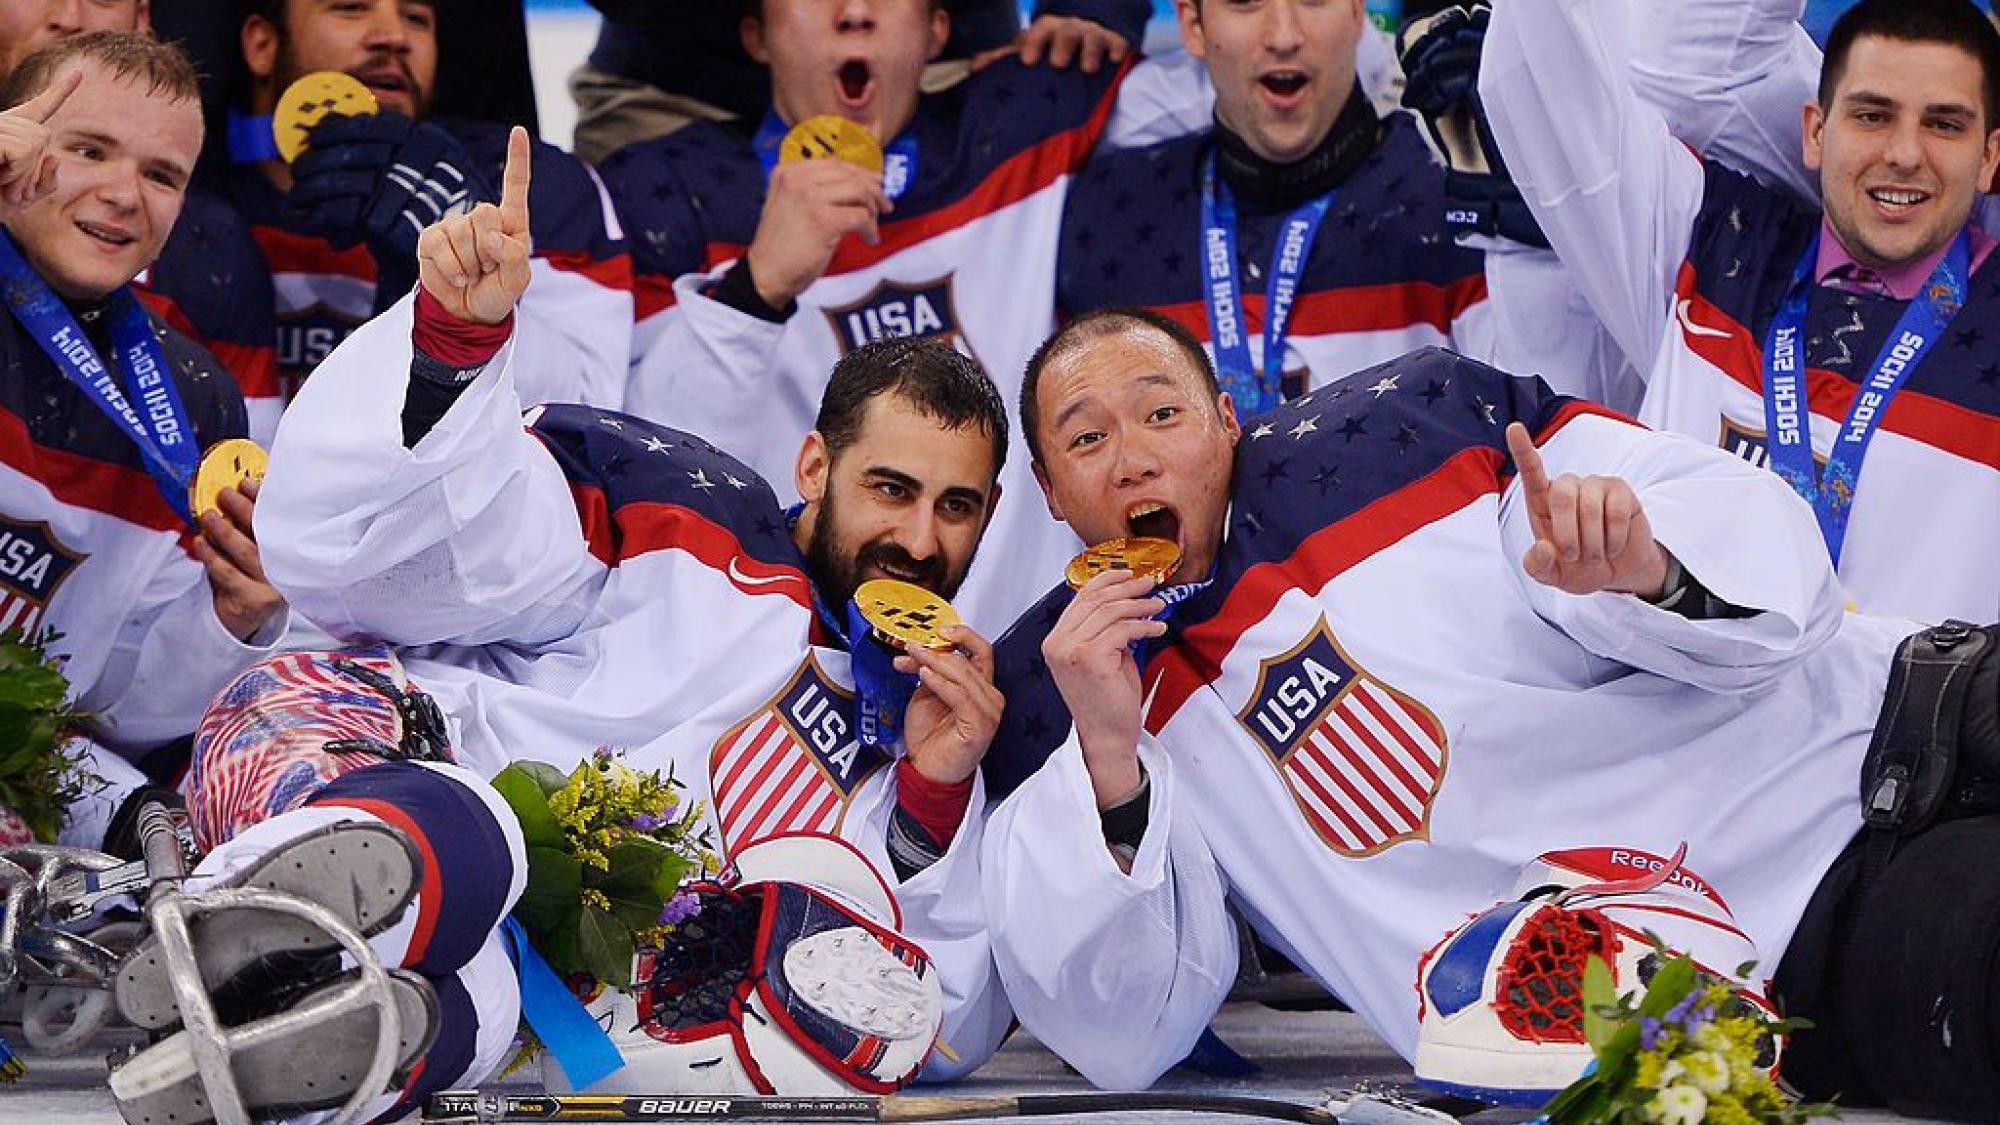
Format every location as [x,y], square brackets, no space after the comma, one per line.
[881,694]
[157,423]
[1252,390]
[250,138]
[899,157]
[1787,411]
[569,1033]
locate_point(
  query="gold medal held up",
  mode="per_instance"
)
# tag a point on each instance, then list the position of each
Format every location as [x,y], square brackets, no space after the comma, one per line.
[817,138]
[307,102]
[1138,554]
[900,611]
[225,465]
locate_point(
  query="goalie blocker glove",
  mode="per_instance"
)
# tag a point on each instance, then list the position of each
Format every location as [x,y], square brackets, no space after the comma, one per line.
[791,979]
[1440,56]
[384,175]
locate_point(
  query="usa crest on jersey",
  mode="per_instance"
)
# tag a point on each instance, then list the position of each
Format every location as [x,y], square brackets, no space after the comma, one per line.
[894,309]
[1362,760]
[33,565]
[1752,445]
[793,765]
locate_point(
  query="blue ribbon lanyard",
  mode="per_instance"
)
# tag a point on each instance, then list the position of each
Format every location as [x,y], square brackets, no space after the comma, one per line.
[899,157]
[566,1028]
[1787,411]
[1253,391]
[159,426]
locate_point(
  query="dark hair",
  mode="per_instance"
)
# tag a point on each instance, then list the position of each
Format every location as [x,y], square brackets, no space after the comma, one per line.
[1095,326]
[163,67]
[943,383]
[1955,23]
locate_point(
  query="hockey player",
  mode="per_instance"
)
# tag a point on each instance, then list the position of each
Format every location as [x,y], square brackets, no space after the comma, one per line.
[658,66]
[1797,338]
[756,275]
[598,580]
[209,281]
[339,228]
[157,609]
[1416,641]
[1299,199]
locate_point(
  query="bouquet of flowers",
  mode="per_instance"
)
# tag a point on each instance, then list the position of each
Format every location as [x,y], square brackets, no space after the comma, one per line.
[39,775]
[608,849]
[1691,1049]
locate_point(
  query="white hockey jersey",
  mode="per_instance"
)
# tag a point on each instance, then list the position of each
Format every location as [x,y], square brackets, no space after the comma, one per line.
[1686,265]
[597,580]
[90,548]
[1372,719]
[968,254]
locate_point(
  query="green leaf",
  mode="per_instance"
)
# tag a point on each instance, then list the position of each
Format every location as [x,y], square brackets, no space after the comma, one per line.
[523,793]
[672,873]
[554,891]
[607,948]
[1599,993]
[549,778]
[1670,986]
[631,884]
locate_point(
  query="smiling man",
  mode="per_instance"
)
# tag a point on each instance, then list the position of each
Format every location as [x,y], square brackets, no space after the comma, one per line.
[1846,348]
[157,605]
[339,227]
[1384,683]
[1300,187]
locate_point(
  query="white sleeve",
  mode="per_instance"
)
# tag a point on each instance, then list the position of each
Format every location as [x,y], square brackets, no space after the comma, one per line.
[470,537]
[1740,529]
[1731,77]
[575,342]
[1615,193]
[713,370]
[942,912]
[1164,97]
[1116,973]
[171,656]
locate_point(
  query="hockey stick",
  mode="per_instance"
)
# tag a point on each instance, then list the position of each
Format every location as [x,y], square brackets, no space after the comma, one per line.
[469,1107]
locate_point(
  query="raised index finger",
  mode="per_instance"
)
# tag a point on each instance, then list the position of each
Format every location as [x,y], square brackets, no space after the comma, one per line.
[514,184]
[1534,477]
[43,106]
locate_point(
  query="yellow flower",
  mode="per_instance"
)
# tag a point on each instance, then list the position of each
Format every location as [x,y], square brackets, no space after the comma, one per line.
[1708,1071]
[1677,1105]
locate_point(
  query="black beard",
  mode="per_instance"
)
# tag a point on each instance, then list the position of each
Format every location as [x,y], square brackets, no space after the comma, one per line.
[838,575]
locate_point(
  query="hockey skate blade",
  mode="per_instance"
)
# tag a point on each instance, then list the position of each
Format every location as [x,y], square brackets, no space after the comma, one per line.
[366,873]
[316,1066]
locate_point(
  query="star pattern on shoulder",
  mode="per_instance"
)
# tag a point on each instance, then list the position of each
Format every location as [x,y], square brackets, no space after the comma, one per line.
[1328,477]
[1262,431]
[610,422]
[1435,391]
[1968,338]
[1274,472]
[1305,426]
[1386,384]
[1406,436]
[1352,428]
[766,526]
[1989,375]
[1485,410]
[734,482]
[655,444]
[699,478]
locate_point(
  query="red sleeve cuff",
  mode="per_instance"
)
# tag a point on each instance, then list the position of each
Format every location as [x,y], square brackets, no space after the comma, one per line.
[937,807]
[454,342]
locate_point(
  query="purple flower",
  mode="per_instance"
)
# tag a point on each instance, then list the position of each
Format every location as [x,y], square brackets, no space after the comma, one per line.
[680,908]
[1690,1014]
[1649,1033]
[647,822]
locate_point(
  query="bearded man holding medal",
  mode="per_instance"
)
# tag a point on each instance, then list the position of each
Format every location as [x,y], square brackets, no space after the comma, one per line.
[1843,346]
[160,597]
[594,580]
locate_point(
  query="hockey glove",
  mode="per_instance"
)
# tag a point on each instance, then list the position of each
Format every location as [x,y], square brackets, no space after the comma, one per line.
[383,178]
[1440,55]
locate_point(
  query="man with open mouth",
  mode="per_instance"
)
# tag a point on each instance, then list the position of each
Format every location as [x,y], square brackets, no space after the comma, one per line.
[339,226]
[756,274]
[1382,685]
[1845,345]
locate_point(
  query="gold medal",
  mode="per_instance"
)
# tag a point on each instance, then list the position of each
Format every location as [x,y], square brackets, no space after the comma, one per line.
[900,611]
[225,465]
[817,138]
[306,103]
[1138,554]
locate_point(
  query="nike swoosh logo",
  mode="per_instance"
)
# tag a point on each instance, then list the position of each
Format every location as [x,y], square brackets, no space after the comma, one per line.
[737,576]
[1146,708]
[1687,320]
